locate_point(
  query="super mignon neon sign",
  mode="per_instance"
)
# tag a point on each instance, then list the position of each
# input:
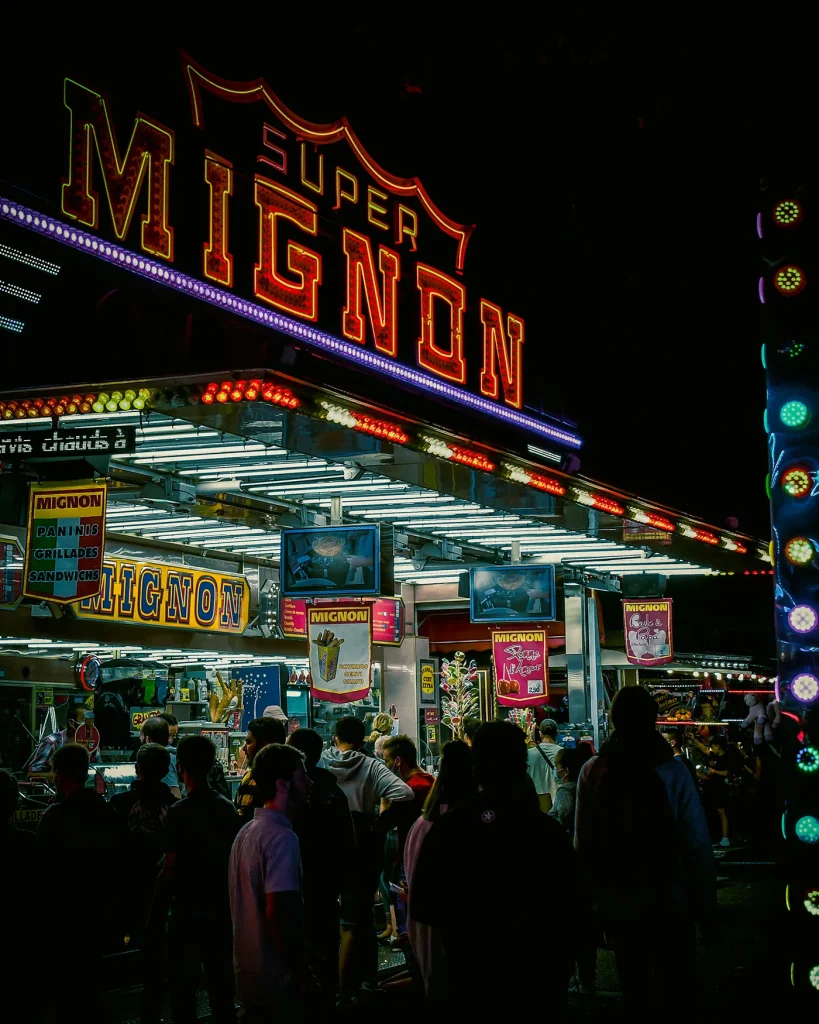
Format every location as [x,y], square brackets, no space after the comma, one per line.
[320,225]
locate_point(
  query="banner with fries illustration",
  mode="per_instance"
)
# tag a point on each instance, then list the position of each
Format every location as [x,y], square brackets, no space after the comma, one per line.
[340,638]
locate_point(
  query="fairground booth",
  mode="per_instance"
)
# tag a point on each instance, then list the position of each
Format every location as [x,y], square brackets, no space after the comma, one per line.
[264,441]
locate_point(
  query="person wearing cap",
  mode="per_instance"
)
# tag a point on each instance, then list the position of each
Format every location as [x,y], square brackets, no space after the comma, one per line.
[542,768]
[270,728]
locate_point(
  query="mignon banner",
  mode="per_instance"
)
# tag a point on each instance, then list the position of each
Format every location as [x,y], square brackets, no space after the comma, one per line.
[521,667]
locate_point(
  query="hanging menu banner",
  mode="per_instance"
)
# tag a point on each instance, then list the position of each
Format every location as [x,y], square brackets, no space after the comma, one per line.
[340,651]
[521,667]
[648,631]
[65,542]
[388,618]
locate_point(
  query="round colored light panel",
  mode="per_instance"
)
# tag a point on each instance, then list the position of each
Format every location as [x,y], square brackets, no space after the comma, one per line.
[803,619]
[799,551]
[811,903]
[805,687]
[796,482]
[813,976]
[807,829]
[789,280]
[807,760]
[794,413]
[787,213]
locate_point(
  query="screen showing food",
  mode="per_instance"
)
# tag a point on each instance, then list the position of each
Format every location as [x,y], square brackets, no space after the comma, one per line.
[330,560]
[519,592]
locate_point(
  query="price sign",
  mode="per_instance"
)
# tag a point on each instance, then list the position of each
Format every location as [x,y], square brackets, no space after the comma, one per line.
[45,698]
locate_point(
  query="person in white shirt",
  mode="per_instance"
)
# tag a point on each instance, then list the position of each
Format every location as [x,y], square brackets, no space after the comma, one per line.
[542,768]
[265,891]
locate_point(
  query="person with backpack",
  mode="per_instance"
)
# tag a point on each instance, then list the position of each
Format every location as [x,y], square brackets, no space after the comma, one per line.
[645,851]
[541,767]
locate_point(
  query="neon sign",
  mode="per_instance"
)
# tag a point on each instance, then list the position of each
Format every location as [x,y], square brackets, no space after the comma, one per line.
[239,191]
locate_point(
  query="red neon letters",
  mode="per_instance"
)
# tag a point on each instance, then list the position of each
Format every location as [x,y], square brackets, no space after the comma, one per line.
[509,355]
[383,305]
[300,297]
[445,363]
[150,149]
[217,263]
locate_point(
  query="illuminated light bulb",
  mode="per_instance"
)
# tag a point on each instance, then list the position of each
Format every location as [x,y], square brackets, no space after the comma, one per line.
[813,976]
[85,407]
[789,280]
[811,903]
[208,398]
[25,404]
[116,396]
[252,393]
[59,409]
[794,414]
[787,213]
[20,414]
[802,618]
[130,395]
[807,760]
[796,482]
[807,830]
[72,407]
[212,388]
[799,551]
[99,405]
[805,687]
[8,414]
[111,404]
[124,404]
[222,396]
[144,394]
[139,402]
[33,413]
[74,398]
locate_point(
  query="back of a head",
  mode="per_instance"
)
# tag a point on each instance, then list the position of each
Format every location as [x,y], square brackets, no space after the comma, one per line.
[276,761]
[156,730]
[166,716]
[403,747]
[9,795]
[309,743]
[471,726]
[456,780]
[71,761]
[572,758]
[350,730]
[268,730]
[195,755]
[500,753]
[548,730]
[382,726]
[154,762]
[633,711]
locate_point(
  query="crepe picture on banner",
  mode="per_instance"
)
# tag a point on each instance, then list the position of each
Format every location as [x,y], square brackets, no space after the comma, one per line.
[340,640]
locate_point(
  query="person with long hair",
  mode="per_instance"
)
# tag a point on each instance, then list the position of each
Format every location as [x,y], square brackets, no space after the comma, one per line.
[645,849]
[382,726]
[455,784]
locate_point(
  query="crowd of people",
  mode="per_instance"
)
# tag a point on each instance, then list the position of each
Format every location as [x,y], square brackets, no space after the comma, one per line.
[271,897]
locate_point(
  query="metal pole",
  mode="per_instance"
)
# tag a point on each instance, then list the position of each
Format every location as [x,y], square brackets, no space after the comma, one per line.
[515,552]
[595,676]
[575,667]
[335,510]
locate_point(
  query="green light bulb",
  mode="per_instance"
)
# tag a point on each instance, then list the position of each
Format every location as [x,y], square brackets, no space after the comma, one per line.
[794,414]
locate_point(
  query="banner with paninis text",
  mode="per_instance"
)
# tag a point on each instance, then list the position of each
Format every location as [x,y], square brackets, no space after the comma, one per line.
[340,639]
[649,631]
[521,659]
[65,544]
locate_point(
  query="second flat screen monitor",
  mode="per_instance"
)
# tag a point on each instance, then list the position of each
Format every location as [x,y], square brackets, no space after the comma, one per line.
[332,560]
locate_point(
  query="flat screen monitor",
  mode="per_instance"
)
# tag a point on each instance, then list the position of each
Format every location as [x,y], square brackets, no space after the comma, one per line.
[329,561]
[520,593]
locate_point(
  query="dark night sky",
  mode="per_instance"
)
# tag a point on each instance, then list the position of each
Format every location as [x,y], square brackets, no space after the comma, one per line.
[612,172]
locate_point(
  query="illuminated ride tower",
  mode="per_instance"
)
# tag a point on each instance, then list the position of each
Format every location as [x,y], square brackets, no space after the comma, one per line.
[789,293]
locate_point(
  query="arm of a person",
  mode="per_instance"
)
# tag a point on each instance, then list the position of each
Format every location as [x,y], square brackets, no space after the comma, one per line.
[697,853]
[562,808]
[389,787]
[284,926]
[583,806]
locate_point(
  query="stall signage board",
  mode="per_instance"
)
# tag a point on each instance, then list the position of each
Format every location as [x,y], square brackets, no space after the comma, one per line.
[154,594]
[44,698]
[225,194]
[11,573]
[65,544]
[649,632]
[521,662]
[20,445]
[139,716]
[340,637]
[388,618]
[427,678]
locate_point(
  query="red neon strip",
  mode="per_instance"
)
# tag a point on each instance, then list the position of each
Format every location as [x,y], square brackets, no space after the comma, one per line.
[706,537]
[380,428]
[470,458]
[545,483]
[658,522]
[607,505]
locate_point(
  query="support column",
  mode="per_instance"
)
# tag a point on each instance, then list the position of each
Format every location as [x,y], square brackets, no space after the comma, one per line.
[575,662]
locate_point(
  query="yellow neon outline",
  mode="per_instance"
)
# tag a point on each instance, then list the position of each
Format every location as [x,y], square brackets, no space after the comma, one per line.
[497,348]
[401,229]
[376,305]
[218,161]
[427,339]
[292,249]
[147,158]
[249,92]
[316,188]
[340,193]
[371,206]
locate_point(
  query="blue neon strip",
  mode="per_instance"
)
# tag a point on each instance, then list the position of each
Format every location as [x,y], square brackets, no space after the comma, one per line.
[137,264]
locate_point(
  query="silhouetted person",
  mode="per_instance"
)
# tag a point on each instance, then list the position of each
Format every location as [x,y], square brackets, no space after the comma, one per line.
[260,732]
[173,727]
[636,790]
[365,781]
[265,892]
[157,730]
[143,815]
[18,866]
[193,886]
[326,835]
[484,838]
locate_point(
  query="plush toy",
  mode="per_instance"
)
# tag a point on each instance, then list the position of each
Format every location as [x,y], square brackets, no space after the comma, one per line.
[764,719]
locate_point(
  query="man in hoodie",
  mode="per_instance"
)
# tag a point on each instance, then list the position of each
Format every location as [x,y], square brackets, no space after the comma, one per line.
[366,782]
